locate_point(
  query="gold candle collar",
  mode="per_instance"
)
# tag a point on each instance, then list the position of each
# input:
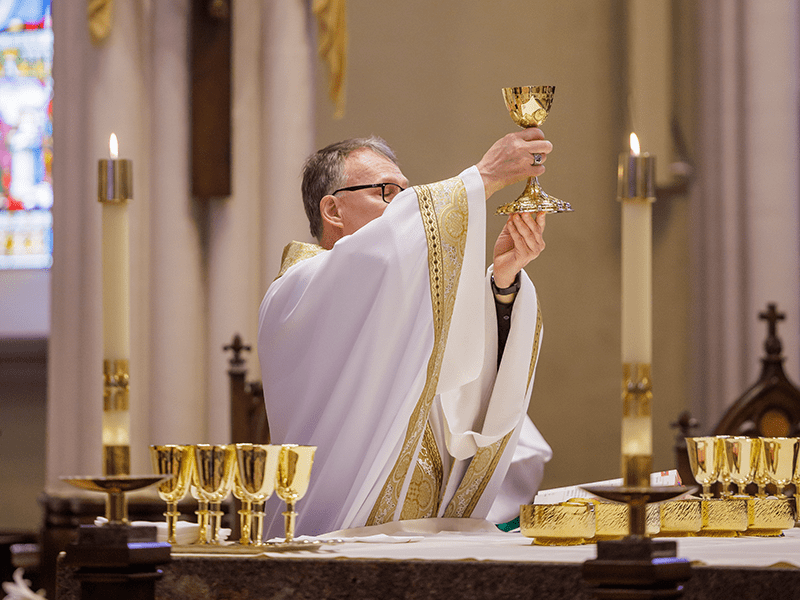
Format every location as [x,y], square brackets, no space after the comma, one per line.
[114,176]
[636,177]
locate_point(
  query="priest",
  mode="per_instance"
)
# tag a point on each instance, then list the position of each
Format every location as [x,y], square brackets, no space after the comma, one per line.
[390,347]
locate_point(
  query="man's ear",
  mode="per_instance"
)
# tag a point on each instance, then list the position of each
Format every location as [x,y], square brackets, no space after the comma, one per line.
[329,211]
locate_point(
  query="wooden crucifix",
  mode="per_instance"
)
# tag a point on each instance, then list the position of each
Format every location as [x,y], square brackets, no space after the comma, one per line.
[210,51]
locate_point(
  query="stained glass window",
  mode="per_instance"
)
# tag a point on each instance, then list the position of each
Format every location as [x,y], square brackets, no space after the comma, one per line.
[26,134]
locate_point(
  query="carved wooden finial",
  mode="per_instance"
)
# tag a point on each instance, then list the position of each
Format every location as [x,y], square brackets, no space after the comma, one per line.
[237,347]
[773,344]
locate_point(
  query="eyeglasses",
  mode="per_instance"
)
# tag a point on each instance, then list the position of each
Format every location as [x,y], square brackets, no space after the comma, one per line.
[388,190]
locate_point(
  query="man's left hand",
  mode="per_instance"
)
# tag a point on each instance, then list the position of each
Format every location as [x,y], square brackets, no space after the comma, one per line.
[518,244]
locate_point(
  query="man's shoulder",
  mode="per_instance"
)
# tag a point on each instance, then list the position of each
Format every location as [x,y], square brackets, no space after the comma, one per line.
[296,252]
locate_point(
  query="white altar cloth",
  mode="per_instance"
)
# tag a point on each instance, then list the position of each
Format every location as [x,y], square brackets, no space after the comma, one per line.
[429,539]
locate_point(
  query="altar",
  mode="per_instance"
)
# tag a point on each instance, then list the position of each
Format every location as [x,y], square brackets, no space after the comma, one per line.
[465,565]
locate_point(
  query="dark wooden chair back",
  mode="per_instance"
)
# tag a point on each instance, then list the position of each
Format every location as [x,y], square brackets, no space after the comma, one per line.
[769,408]
[249,423]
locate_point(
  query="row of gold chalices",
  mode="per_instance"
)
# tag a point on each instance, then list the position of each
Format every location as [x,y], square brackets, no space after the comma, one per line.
[251,471]
[744,460]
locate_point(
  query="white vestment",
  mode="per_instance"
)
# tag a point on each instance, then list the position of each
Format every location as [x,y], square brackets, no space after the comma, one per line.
[382,352]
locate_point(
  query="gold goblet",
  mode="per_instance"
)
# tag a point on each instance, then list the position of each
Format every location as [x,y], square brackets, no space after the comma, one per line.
[177,461]
[741,454]
[292,479]
[213,482]
[254,482]
[529,107]
[704,461]
[724,475]
[778,457]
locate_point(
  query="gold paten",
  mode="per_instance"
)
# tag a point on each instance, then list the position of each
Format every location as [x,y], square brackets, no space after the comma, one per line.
[566,524]
[681,517]
[768,517]
[529,107]
[723,517]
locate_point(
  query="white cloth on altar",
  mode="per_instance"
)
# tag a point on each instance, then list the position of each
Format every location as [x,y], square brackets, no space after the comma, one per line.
[345,338]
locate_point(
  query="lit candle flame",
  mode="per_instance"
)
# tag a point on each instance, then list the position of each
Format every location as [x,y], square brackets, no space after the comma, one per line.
[113,146]
[634,145]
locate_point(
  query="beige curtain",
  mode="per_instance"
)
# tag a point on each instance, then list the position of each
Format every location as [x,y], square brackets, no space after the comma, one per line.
[198,268]
[745,207]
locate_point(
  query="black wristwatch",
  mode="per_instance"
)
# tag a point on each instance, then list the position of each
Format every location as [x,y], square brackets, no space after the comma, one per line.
[512,289]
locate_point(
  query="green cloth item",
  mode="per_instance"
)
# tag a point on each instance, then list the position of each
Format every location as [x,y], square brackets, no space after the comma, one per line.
[510,526]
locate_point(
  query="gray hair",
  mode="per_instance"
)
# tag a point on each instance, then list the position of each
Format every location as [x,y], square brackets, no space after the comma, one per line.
[323,173]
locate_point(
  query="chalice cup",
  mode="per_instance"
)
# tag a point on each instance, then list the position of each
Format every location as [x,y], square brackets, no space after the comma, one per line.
[177,461]
[253,483]
[777,454]
[292,479]
[724,476]
[214,470]
[741,454]
[704,461]
[529,107]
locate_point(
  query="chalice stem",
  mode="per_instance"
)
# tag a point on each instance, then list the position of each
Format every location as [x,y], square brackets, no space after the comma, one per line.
[202,521]
[172,515]
[290,516]
[707,490]
[245,522]
[214,521]
[257,532]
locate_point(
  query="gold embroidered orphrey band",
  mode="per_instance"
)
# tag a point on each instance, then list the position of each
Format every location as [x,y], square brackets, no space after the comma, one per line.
[294,252]
[485,461]
[444,210]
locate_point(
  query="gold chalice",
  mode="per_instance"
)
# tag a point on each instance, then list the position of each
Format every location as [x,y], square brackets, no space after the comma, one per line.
[741,454]
[704,461]
[292,479]
[724,476]
[215,468]
[254,482]
[177,461]
[778,458]
[529,107]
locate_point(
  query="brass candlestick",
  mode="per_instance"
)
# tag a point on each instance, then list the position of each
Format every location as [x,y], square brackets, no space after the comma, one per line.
[116,418]
[115,486]
[637,397]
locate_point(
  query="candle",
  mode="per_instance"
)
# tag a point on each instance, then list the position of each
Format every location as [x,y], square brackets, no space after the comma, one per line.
[114,190]
[636,176]
[636,191]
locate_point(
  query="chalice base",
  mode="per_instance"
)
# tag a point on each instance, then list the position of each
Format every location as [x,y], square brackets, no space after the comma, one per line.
[534,199]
